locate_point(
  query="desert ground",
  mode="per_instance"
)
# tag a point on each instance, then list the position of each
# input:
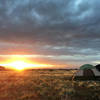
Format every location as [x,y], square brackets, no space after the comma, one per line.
[46,85]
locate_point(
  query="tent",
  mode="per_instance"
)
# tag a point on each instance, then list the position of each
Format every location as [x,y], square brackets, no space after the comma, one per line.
[88,72]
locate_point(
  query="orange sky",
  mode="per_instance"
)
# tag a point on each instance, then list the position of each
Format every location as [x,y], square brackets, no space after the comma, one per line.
[29,61]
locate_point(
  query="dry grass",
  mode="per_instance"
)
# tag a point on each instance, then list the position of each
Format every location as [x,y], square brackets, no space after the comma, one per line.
[45,85]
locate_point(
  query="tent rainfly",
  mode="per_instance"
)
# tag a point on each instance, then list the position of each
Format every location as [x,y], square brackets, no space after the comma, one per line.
[88,72]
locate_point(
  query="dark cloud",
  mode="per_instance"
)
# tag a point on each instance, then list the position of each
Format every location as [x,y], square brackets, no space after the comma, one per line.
[51,27]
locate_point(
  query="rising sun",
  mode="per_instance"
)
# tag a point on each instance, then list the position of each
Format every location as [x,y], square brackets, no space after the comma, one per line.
[22,65]
[19,65]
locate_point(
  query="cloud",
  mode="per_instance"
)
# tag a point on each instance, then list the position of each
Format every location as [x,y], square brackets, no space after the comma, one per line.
[51,27]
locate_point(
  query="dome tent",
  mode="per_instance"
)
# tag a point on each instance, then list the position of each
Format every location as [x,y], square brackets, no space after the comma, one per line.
[87,66]
[87,72]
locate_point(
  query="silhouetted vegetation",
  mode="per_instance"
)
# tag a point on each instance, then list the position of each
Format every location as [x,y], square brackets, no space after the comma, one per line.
[2,68]
[98,67]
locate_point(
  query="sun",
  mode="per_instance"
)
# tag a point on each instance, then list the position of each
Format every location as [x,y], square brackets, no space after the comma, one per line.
[19,65]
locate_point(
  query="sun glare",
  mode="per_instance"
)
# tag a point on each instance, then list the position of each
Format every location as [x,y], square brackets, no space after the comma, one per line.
[19,65]
[22,65]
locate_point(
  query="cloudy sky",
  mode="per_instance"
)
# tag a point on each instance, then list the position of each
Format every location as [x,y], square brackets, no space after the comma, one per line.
[62,32]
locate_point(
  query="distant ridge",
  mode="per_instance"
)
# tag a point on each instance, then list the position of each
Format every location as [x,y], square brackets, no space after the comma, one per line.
[2,68]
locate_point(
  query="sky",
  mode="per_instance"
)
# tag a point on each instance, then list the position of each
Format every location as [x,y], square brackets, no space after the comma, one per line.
[59,32]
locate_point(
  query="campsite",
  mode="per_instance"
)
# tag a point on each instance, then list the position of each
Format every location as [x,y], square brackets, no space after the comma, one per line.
[46,84]
[49,50]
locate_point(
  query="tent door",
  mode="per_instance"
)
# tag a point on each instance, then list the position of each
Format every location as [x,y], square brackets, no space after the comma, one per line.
[88,73]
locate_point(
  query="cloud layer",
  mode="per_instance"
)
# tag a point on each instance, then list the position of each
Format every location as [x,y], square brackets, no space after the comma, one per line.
[69,29]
